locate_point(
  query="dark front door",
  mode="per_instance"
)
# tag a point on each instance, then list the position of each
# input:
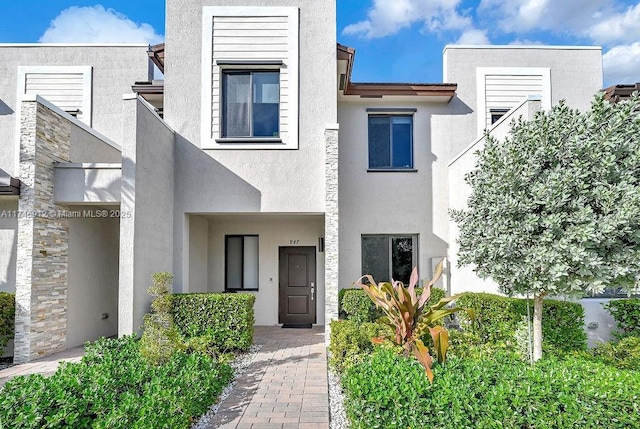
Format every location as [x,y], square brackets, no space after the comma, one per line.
[298,290]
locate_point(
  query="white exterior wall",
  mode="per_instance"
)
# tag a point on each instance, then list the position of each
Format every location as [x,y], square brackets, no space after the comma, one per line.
[243,180]
[288,181]
[8,242]
[273,231]
[114,69]
[93,278]
[391,202]
[146,225]
[198,254]
[464,279]
[575,76]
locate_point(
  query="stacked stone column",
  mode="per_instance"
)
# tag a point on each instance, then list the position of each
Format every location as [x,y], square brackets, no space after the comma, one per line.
[331,268]
[43,236]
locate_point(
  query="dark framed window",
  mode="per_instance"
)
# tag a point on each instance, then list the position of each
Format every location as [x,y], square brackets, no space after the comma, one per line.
[388,257]
[250,104]
[496,114]
[390,141]
[241,262]
[612,292]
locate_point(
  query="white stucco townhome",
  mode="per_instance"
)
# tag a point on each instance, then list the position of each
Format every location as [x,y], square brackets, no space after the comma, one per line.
[256,165]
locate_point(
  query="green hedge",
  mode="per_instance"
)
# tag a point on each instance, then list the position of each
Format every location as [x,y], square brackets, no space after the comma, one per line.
[389,391]
[7,318]
[225,319]
[114,387]
[497,319]
[355,305]
[626,313]
[350,341]
[624,354]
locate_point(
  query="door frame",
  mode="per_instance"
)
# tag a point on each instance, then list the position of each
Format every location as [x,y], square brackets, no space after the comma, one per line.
[313,306]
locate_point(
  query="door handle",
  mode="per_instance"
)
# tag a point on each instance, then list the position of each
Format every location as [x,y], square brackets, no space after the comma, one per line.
[313,290]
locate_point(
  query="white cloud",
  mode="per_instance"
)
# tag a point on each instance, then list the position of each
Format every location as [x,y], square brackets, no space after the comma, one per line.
[619,27]
[473,37]
[387,17]
[622,64]
[521,16]
[95,24]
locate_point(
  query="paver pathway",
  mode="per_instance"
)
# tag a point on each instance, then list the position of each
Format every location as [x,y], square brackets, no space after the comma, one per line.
[45,366]
[284,387]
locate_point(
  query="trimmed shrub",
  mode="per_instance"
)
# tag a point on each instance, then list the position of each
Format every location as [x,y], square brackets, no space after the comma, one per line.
[7,318]
[626,313]
[160,338]
[350,341]
[624,354]
[389,391]
[497,318]
[225,319]
[355,305]
[114,387]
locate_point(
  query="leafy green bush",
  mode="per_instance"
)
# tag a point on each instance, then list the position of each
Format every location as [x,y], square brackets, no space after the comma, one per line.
[160,337]
[7,318]
[389,391]
[357,306]
[624,354]
[114,387]
[350,341]
[626,313]
[224,320]
[497,318]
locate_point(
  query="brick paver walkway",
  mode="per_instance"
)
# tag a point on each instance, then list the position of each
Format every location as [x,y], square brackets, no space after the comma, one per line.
[45,366]
[284,387]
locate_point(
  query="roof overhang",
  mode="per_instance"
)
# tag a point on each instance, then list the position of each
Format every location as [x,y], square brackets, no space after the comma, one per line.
[156,54]
[8,185]
[616,93]
[440,92]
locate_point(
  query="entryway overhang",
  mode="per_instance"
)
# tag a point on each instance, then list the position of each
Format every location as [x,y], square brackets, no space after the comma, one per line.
[87,183]
[9,186]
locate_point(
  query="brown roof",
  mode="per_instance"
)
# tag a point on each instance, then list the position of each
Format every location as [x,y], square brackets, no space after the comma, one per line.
[616,93]
[379,89]
[156,53]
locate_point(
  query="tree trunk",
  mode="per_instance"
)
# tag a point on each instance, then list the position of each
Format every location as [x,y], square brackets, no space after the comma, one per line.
[537,326]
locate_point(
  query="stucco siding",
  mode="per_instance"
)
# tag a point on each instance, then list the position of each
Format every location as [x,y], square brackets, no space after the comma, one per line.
[412,202]
[273,232]
[575,76]
[288,181]
[114,70]
[146,225]
[92,289]
[8,240]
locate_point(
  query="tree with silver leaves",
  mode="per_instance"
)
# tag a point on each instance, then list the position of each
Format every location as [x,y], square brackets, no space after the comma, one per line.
[555,208]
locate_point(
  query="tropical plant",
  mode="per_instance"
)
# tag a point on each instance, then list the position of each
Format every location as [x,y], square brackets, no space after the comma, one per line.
[554,207]
[409,316]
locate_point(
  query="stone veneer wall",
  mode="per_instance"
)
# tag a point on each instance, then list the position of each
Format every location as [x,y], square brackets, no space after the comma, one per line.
[331,268]
[43,236]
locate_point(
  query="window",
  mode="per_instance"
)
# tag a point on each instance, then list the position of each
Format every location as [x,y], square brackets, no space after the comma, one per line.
[390,141]
[496,114]
[388,257]
[241,262]
[251,104]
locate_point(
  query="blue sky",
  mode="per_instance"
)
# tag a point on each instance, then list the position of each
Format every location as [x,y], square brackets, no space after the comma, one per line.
[395,40]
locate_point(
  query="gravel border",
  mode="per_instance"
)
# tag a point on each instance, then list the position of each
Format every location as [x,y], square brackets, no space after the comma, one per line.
[239,365]
[338,415]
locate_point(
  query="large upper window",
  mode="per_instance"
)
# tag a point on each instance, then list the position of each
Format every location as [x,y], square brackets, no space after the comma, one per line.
[388,257]
[241,262]
[251,103]
[390,141]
